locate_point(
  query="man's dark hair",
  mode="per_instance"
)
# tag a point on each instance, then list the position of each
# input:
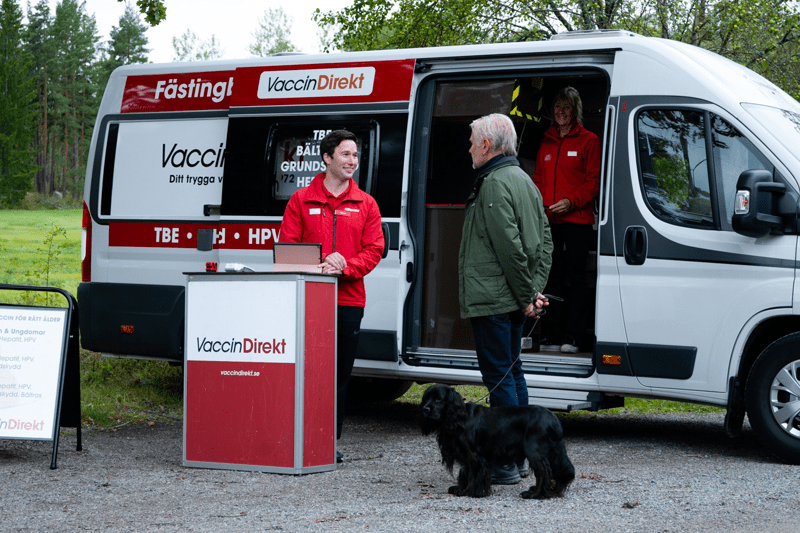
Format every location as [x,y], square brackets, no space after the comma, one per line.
[329,143]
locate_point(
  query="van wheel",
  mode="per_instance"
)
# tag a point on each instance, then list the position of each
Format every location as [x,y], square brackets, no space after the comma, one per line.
[772,398]
[361,389]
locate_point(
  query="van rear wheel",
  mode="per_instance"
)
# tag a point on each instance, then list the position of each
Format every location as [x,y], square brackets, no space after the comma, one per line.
[772,398]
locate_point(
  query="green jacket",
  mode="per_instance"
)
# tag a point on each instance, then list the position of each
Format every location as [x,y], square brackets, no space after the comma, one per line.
[506,246]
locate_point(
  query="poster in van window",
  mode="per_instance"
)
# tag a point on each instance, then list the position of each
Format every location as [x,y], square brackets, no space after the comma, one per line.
[298,160]
[168,169]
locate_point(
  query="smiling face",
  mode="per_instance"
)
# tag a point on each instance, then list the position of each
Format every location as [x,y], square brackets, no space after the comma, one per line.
[564,114]
[344,162]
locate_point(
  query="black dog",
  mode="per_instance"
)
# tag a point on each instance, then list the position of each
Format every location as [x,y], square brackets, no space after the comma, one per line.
[479,438]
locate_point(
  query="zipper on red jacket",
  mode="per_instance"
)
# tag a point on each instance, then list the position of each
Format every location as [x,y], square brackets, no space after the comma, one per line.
[334,231]
[555,170]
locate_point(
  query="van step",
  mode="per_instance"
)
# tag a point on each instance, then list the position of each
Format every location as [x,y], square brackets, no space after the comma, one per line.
[578,365]
[568,400]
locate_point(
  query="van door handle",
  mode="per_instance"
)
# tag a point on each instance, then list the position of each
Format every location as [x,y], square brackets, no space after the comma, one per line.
[635,245]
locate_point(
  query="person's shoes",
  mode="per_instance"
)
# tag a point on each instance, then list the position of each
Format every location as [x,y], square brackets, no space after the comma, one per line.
[571,346]
[549,345]
[505,475]
[339,456]
[523,470]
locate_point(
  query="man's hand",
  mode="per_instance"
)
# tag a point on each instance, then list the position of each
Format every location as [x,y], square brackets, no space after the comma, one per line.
[533,308]
[334,263]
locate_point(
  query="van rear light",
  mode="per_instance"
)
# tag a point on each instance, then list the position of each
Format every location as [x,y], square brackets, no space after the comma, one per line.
[86,245]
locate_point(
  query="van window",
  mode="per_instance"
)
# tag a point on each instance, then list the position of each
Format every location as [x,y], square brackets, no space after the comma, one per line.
[296,159]
[270,158]
[733,154]
[673,166]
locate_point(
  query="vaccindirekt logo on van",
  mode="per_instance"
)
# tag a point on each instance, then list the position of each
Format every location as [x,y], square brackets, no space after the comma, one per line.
[355,81]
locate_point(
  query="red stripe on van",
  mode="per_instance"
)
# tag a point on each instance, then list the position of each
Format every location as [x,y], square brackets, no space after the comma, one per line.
[184,235]
[193,91]
[326,83]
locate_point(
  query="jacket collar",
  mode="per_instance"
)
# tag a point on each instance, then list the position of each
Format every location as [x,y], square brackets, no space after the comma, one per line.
[485,169]
[318,193]
[552,131]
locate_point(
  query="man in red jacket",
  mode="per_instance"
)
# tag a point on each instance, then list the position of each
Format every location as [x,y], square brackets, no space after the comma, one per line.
[333,211]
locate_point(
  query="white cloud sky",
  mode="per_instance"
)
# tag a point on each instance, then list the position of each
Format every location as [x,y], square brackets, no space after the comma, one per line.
[231,21]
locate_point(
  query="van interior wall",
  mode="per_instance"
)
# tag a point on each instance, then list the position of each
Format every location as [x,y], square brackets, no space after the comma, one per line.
[451,178]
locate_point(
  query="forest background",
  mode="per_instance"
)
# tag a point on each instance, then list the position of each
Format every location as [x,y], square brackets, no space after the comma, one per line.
[54,67]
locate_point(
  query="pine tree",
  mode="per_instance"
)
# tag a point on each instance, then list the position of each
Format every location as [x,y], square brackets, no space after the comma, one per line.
[17,108]
[127,45]
[39,43]
[73,87]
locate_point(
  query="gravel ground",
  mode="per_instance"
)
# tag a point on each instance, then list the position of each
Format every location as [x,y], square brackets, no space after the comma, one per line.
[655,472]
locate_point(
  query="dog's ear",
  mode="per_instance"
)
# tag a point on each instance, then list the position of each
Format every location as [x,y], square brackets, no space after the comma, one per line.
[455,410]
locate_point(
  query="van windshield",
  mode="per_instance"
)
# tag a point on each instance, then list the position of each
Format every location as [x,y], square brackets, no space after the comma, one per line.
[784,124]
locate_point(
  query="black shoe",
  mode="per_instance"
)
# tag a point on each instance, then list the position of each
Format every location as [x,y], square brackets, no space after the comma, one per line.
[339,457]
[505,475]
[523,470]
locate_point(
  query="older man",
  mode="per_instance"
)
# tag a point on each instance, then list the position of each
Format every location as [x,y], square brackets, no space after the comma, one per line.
[503,262]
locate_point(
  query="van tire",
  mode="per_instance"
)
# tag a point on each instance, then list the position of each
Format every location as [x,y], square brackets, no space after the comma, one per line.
[366,390]
[774,381]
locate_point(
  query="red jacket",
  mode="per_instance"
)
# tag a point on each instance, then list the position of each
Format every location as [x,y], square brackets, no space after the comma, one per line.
[352,219]
[569,167]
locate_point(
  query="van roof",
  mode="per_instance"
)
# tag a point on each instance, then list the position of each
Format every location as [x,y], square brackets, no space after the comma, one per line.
[658,64]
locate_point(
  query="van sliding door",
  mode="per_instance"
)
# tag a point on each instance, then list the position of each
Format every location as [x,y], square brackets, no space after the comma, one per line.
[442,179]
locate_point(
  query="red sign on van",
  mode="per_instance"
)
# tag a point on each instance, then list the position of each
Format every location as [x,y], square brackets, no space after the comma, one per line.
[327,83]
[193,91]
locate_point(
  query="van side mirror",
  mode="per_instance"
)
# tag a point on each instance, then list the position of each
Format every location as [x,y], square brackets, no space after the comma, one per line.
[756,210]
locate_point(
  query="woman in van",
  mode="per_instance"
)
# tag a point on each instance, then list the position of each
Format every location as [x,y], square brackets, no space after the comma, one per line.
[568,176]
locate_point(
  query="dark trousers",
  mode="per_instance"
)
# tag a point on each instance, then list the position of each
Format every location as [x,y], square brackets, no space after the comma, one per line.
[567,320]
[497,342]
[347,331]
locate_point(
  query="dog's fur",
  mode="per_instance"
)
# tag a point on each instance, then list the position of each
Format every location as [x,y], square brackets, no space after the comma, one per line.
[480,438]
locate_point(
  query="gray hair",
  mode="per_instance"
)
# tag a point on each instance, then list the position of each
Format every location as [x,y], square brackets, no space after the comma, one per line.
[571,96]
[498,130]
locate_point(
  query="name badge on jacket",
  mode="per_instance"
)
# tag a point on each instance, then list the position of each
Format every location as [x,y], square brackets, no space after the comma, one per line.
[572,153]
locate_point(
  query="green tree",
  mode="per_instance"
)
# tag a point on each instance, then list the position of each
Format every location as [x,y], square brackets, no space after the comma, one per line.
[154,11]
[17,108]
[189,47]
[73,89]
[128,45]
[272,35]
[39,43]
[760,34]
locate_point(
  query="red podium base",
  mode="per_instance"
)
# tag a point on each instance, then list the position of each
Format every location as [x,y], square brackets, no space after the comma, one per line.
[260,372]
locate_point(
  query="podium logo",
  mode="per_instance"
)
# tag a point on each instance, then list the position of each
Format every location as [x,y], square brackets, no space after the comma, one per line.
[244,345]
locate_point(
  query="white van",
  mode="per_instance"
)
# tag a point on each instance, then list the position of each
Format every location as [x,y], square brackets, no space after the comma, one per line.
[694,272]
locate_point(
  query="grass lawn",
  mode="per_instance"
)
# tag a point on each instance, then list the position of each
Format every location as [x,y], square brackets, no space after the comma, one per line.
[43,248]
[40,248]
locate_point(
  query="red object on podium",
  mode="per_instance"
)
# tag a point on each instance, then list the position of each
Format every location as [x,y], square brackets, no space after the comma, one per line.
[260,372]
